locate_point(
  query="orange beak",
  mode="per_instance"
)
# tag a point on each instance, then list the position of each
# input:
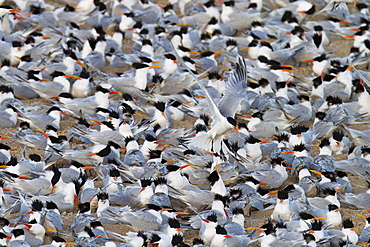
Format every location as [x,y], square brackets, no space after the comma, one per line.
[5,137]
[307,60]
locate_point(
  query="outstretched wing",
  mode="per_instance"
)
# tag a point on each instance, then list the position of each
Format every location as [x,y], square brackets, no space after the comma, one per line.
[235,89]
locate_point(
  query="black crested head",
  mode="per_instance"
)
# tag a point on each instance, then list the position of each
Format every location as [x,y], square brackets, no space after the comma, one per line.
[170,56]
[146,42]
[206,54]
[213,177]
[154,207]
[318,28]
[5,147]
[18,232]
[223,199]
[155,154]
[101,89]
[324,142]
[160,105]
[51,205]
[320,58]
[104,152]
[95,224]
[65,95]
[231,42]
[160,180]
[139,24]
[235,194]
[114,172]
[155,238]
[305,216]
[51,127]
[312,10]
[175,103]
[6,89]
[286,16]
[127,97]
[237,211]
[6,62]
[263,82]
[53,108]
[332,207]
[4,222]
[37,205]
[58,239]
[114,145]
[220,230]
[200,127]
[252,179]
[174,223]
[365,150]
[127,109]
[188,59]
[268,228]
[139,65]
[26,58]
[258,115]
[157,79]
[252,6]
[31,75]
[172,168]
[35,157]
[282,137]
[334,100]
[341,174]
[34,221]
[252,140]
[320,115]
[299,148]
[283,195]
[84,207]
[159,29]
[205,118]
[338,135]
[102,196]
[304,98]
[298,129]
[308,237]
[145,182]
[277,161]
[347,223]
[317,225]
[289,188]
[13,161]
[167,7]
[329,191]
[212,217]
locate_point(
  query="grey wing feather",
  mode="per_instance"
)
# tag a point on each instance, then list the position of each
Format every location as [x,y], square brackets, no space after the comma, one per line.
[235,89]
[55,219]
[365,235]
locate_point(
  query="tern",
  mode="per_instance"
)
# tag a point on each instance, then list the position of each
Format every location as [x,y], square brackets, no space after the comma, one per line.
[223,114]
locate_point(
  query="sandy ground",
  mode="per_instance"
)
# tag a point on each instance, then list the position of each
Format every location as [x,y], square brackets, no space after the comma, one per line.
[258,218]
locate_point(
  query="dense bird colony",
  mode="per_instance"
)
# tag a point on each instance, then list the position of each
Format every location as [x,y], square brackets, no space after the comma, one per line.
[183,123]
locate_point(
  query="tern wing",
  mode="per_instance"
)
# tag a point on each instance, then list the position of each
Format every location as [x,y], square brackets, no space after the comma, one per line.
[215,112]
[235,89]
